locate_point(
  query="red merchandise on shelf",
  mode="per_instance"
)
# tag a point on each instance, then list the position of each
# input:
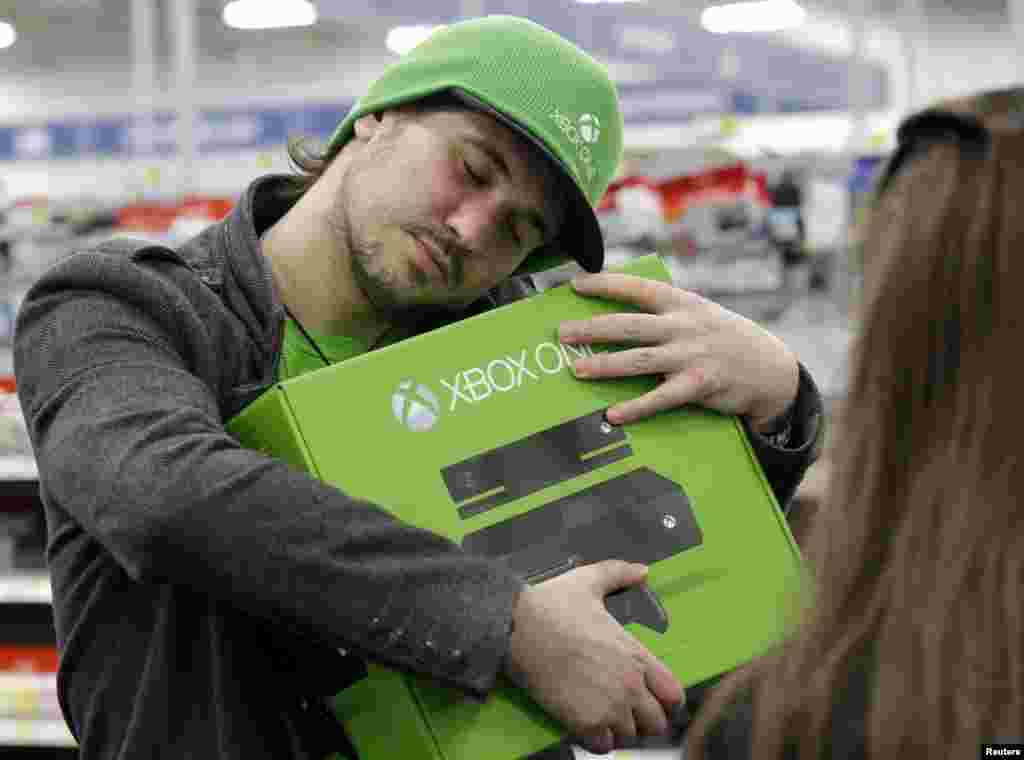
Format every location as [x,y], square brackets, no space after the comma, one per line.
[158,217]
[725,183]
[151,217]
[609,200]
[24,658]
[209,207]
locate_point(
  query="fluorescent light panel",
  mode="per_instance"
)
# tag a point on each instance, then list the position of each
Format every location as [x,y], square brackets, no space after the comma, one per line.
[269,14]
[7,34]
[761,16]
[402,39]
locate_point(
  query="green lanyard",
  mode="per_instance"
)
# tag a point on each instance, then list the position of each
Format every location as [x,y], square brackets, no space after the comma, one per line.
[307,336]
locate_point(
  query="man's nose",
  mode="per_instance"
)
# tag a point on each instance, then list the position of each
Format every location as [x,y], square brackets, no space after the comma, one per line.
[477,220]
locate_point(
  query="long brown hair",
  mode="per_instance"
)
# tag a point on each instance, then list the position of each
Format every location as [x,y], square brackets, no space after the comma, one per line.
[918,554]
[309,159]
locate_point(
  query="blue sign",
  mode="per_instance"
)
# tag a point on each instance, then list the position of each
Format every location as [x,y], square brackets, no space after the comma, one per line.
[217,131]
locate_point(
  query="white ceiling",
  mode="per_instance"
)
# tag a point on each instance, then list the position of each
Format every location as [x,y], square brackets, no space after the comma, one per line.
[62,35]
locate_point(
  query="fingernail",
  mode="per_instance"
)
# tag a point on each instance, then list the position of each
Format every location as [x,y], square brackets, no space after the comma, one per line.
[579,369]
[566,334]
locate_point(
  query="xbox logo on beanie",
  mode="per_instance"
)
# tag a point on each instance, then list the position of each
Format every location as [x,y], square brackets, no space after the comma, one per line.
[415,406]
[589,128]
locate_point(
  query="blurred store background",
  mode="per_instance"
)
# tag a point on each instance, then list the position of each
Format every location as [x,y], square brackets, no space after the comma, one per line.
[753,136]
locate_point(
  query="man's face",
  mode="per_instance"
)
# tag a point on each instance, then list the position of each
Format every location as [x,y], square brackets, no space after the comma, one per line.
[439,206]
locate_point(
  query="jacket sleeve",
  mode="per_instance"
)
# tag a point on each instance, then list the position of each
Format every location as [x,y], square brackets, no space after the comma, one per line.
[114,365]
[785,466]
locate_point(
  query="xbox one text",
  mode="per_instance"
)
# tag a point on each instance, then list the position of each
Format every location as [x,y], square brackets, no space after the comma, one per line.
[476,384]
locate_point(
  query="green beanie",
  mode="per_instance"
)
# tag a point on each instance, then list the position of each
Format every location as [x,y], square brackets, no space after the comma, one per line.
[537,83]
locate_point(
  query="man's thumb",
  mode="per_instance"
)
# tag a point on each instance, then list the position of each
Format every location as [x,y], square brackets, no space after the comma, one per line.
[614,574]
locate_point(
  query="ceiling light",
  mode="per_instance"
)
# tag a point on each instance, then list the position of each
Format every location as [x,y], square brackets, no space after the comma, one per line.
[763,16]
[269,14]
[7,34]
[402,39]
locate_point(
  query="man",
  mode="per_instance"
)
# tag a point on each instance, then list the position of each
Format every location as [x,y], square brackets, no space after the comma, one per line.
[206,597]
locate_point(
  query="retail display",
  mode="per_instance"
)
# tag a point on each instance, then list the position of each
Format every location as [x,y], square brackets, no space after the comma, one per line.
[713,228]
[29,712]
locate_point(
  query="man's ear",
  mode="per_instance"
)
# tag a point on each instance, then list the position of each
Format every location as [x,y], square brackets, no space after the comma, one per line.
[367,126]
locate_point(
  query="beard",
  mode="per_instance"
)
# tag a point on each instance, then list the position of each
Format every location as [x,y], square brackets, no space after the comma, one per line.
[397,291]
[388,295]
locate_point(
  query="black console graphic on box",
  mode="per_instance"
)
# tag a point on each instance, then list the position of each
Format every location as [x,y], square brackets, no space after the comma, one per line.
[639,517]
[517,469]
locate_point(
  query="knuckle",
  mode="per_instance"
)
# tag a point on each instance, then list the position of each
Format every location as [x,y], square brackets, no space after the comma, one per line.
[699,350]
[631,330]
[651,289]
[582,332]
[699,378]
[710,379]
[634,682]
[644,360]
[596,362]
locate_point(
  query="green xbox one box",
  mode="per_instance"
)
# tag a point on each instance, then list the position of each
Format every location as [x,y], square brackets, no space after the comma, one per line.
[504,451]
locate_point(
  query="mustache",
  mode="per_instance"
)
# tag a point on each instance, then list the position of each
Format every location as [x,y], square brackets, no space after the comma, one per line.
[454,250]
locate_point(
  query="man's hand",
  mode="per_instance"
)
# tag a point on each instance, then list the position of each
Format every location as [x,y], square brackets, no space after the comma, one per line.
[582,666]
[705,354]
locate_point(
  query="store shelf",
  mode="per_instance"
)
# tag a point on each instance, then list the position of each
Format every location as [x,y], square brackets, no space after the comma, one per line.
[25,589]
[18,468]
[35,733]
[29,697]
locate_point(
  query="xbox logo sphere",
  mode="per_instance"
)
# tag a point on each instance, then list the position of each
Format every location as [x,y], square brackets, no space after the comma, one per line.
[589,128]
[415,406]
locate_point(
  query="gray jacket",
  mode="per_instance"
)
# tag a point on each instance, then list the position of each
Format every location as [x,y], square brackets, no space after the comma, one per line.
[202,591]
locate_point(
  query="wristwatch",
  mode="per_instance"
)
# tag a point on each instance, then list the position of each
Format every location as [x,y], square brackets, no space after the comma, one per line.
[781,429]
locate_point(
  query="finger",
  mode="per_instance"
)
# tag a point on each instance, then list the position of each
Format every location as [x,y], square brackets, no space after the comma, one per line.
[600,741]
[663,686]
[683,388]
[632,362]
[613,574]
[624,327]
[649,295]
[661,683]
[649,716]
[624,729]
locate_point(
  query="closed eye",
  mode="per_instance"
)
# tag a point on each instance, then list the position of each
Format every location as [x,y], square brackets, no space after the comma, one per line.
[475,176]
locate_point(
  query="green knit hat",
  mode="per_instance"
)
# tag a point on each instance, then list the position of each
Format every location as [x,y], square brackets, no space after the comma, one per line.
[537,83]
